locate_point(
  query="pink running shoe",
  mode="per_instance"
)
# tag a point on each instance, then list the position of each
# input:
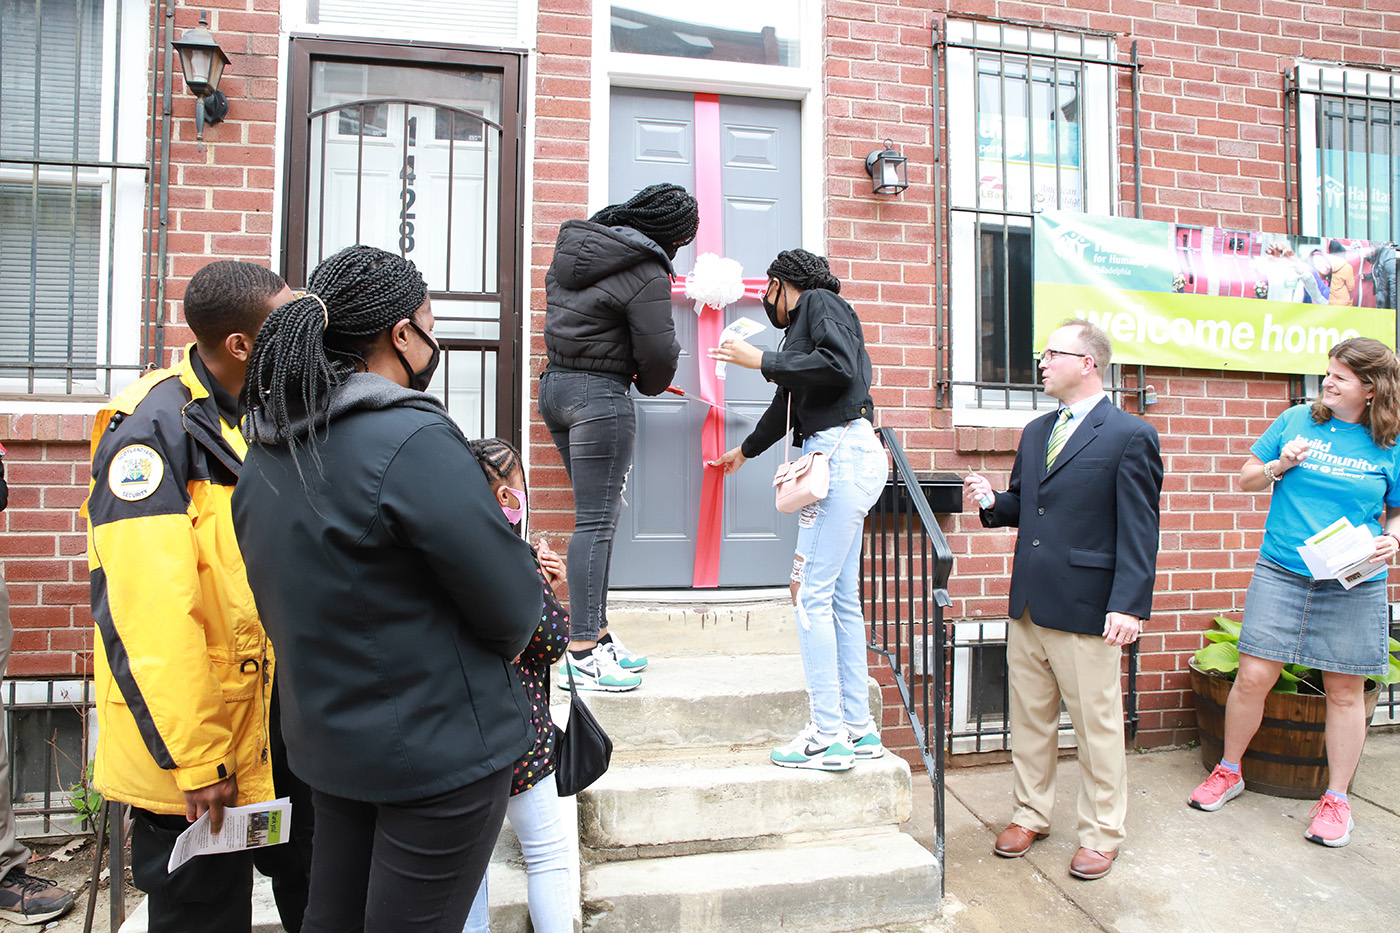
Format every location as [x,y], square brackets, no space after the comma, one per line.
[1222,785]
[1332,823]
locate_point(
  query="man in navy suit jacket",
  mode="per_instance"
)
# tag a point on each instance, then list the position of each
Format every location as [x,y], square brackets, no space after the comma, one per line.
[1084,494]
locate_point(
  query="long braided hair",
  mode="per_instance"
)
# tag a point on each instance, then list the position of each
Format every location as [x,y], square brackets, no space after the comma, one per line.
[311,345]
[804,270]
[666,213]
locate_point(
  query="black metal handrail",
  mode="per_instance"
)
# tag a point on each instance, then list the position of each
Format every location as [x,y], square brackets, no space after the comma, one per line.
[906,562]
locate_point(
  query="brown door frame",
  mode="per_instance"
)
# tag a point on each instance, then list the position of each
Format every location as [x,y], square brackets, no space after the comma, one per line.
[510,249]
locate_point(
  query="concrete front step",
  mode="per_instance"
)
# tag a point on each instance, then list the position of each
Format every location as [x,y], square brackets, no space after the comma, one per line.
[855,884]
[746,700]
[737,626]
[699,803]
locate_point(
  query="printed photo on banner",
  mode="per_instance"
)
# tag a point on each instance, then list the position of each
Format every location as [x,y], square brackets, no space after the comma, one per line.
[1209,298]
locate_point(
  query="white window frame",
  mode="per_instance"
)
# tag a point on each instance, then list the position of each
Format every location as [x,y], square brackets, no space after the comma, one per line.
[1099,135]
[123,202]
[1325,78]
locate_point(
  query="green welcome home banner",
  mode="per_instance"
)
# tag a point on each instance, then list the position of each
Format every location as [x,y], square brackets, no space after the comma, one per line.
[1205,297]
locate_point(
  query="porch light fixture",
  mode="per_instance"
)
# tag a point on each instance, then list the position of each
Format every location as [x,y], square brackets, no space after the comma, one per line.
[203,63]
[888,170]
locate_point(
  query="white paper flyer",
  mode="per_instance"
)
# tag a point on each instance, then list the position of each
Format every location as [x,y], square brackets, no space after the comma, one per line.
[1341,552]
[249,827]
[742,329]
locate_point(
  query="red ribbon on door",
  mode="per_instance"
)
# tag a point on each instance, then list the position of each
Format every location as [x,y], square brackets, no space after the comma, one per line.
[709,239]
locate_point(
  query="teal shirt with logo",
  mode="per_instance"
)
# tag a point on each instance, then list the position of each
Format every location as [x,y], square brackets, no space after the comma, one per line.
[1344,474]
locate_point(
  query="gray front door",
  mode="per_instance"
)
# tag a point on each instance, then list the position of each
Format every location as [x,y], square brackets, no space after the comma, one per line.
[653,140]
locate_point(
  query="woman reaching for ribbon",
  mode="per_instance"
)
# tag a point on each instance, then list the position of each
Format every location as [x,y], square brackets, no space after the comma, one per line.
[607,327]
[823,376]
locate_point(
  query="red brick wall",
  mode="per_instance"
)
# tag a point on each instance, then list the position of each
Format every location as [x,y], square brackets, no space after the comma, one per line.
[221,191]
[1212,111]
[561,112]
[221,207]
[43,544]
[1212,116]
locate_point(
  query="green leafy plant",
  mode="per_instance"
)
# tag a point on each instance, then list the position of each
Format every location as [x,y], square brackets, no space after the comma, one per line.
[85,798]
[1222,656]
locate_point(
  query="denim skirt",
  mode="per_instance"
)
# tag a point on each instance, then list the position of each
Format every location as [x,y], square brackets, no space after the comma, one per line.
[1298,620]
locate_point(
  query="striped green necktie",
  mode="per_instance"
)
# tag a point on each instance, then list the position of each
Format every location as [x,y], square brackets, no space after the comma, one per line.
[1057,437]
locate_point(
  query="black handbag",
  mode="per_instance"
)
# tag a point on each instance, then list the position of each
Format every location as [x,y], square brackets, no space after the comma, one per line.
[582,752]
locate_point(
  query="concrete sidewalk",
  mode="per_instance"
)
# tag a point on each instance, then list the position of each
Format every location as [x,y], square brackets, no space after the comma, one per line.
[1244,868]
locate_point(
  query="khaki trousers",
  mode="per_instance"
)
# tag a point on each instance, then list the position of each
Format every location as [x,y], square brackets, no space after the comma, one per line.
[13,854]
[1046,666]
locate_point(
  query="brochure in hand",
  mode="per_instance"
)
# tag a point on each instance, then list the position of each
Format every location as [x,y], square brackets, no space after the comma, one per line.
[249,827]
[1341,552]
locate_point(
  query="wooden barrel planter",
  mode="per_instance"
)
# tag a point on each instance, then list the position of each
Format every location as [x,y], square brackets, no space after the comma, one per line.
[1288,756]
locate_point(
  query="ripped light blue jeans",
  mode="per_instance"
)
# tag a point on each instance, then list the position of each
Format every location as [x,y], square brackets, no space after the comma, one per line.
[830,623]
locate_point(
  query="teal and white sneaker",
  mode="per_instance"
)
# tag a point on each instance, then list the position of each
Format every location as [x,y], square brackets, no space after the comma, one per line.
[629,661]
[597,672]
[810,750]
[865,742]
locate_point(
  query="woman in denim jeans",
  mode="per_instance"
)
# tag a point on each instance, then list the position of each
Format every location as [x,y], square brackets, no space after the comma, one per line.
[607,327]
[823,377]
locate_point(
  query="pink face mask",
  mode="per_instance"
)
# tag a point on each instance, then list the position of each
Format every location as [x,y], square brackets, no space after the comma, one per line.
[515,516]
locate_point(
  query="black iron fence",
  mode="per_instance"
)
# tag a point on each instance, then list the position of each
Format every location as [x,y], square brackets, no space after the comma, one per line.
[49,733]
[904,589]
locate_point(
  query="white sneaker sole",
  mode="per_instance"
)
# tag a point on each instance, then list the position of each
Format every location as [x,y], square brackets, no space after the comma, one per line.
[1230,794]
[815,764]
[1333,843]
[584,684]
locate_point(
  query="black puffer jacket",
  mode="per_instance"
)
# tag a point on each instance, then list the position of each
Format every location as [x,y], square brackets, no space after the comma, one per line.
[608,306]
[395,594]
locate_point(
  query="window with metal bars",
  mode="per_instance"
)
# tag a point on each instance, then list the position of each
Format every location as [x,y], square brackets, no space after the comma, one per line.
[64,191]
[1029,124]
[1346,153]
[1342,171]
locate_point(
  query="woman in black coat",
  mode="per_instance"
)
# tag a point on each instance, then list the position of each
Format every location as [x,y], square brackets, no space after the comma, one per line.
[394,593]
[607,327]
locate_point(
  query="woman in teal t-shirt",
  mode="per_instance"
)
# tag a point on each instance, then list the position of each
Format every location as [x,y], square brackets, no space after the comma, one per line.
[1336,458]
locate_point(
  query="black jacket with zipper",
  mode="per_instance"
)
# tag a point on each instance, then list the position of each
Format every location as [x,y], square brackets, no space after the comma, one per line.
[822,365]
[608,306]
[396,596]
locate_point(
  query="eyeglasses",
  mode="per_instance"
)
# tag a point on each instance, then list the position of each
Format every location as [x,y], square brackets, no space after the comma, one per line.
[1047,355]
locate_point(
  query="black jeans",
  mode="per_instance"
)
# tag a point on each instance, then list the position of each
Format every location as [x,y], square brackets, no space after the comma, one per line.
[208,894]
[594,424]
[403,867]
[288,864]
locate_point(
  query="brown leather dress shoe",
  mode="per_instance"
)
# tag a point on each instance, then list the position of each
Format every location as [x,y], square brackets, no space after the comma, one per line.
[1015,841]
[1091,864]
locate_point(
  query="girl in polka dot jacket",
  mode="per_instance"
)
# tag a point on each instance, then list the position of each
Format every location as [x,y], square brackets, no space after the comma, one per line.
[533,811]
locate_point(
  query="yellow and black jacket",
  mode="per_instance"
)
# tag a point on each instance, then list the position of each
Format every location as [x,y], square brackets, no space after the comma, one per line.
[182,666]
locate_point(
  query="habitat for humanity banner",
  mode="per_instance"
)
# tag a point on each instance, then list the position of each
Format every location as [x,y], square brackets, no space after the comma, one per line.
[1207,298]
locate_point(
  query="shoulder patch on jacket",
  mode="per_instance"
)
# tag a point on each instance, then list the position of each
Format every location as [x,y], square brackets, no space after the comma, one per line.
[135,473]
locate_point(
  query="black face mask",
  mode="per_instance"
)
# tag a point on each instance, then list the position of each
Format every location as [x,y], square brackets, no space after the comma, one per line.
[771,309]
[419,380]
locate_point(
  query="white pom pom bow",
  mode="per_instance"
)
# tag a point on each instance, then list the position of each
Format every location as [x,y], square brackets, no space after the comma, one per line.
[715,282]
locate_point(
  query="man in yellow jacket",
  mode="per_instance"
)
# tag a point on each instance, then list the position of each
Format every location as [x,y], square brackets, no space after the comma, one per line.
[183,670]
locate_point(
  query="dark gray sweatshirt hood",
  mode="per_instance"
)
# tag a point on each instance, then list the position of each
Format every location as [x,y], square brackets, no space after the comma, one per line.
[362,391]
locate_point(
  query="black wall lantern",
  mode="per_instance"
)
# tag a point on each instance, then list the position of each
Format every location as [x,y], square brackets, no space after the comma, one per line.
[203,63]
[888,170]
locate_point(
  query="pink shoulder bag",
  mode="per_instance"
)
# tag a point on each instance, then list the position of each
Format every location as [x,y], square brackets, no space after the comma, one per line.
[805,480]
